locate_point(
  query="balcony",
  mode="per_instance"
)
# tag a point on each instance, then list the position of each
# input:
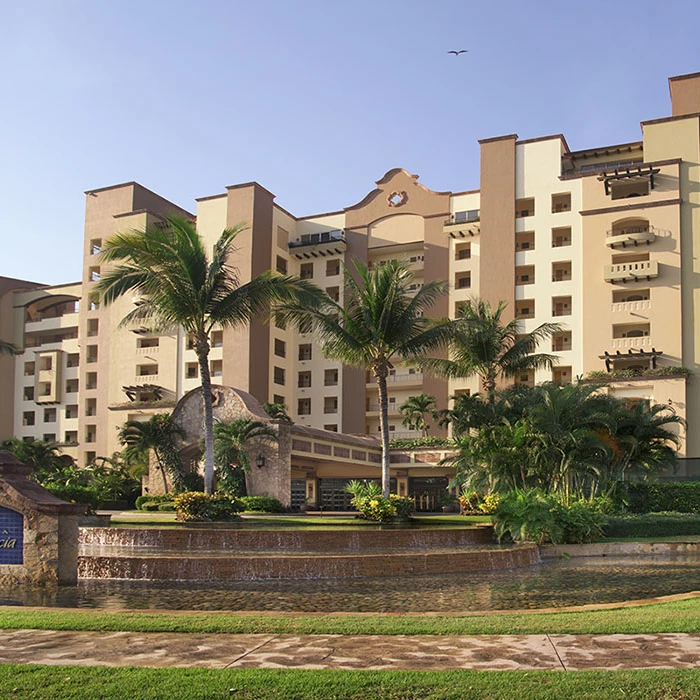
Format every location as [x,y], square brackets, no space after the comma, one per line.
[642,342]
[462,224]
[326,241]
[632,236]
[631,272]
[631,306]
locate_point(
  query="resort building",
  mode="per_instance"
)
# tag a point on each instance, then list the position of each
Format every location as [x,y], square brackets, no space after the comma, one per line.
[605,241]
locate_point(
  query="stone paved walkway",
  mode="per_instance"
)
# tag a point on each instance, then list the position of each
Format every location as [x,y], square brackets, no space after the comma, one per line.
[353,652]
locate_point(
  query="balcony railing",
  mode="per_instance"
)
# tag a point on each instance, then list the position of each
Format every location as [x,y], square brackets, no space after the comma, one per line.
[307,239]
[631,236]
[631,271]
[629,306]
[643,341]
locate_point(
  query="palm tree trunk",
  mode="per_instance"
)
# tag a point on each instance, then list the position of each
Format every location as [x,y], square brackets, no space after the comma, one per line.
[161,466]
[202,349]
[380,373]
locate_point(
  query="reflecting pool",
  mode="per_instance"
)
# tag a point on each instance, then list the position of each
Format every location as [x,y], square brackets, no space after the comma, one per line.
[559,583]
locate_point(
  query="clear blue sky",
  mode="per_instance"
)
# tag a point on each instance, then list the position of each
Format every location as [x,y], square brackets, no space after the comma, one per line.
[314,99]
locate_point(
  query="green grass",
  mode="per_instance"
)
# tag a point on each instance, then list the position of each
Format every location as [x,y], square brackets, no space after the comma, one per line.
[66,683]
[672,616]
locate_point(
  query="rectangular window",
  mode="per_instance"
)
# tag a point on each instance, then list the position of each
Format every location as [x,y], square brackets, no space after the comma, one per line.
[70,437]
[330,404]
[217,339]
[192,370]
[278,399]
[304,407]
[330,377]
[95,246]
[91,380]
[216,368]
[49,415]
[91,407]
[463,280]
[28,418]
[305,351]
[333,293]
[91,354]
[73,359]
[280,348]
[93,327]
[524,207]
[278,375]
[332,268]
[72,386]
[306,271]
[90,433]
[304,380]
[72,411]
[28,369]
[28,393]
[281,265]
[333,428]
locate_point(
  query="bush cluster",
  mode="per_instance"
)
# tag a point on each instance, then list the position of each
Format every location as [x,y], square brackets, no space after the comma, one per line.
[656,498]
[262,504]
[384,510]
[194,506]
[75,493]
[144,502]
[534,516]
[653,525]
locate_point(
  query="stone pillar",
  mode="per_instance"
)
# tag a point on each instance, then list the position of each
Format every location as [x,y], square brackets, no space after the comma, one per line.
[38,532]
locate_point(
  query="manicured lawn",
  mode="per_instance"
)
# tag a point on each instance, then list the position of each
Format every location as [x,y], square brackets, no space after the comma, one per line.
[32,682]
[673,616]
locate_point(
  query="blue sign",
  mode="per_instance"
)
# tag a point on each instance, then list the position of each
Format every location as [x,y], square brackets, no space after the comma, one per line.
[11,537]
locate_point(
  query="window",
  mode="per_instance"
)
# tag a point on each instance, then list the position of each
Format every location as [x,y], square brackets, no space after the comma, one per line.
[70,437]
[525,241]
[95,246]
[91,380]
[305,351]
[304,380]
[145,371]
[216,368]
[561,306]
[280,348]
[330,377]
[304,407]
[46,363]
[28,418]
[330,404]
[147,342]
[525,308]
[28,393]
[49,437]
[332,268]
[72,411]
[72,386]
[217,339]
[561,342]
[49,415]
[463,280]
[332,428]
[93,302]
[90,433]
[278,399]
[91,354]
[281,265]
[93,326]
[73,359]
[278,375]
[94,273]
[561,271]
[192,370]
[333,293]
[91,407]
[306,271]
[463,251]
[525,274]
[28,369]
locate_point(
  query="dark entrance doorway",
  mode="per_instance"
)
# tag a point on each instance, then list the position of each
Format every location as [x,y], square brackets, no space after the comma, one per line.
[429,493]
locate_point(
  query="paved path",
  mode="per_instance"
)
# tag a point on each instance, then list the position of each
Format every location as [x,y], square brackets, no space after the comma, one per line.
[369,652]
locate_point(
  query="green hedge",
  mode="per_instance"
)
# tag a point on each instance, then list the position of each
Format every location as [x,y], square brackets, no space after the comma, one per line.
[194,506]
[661,497]
[261,504]
[653,525]
[142,501]
[75,494]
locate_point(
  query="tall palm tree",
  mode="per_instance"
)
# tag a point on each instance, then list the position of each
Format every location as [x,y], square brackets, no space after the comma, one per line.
[381,322]
[158,434]
[231,444]
[178,285]
[414,411]
[486,346]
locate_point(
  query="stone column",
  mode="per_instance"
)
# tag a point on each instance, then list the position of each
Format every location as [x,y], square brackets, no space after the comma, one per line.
[38,532]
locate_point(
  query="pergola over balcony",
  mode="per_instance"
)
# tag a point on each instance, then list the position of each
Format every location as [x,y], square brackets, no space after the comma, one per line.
[625,360]
[624,179]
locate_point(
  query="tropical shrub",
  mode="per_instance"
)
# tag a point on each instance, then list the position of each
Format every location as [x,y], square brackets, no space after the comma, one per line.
[141,501]
[489,503]
[368,501]
[262,504]
[194,506]
[166,507]
[642,497]
[535,516]
[653,525]
[75,493]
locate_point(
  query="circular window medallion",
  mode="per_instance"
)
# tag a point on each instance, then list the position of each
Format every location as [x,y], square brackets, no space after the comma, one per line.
[397,199]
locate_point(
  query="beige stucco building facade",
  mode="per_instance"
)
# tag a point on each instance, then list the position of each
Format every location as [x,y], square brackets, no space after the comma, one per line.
[605,241]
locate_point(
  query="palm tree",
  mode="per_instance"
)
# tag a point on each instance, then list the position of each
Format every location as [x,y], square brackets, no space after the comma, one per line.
[6,348]
[277,411]
[168,267]
[159,434]
[231,443]
[486,346]
[414,411]
[381,322]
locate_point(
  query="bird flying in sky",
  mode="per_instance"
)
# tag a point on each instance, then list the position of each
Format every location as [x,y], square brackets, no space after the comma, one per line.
[456,53]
